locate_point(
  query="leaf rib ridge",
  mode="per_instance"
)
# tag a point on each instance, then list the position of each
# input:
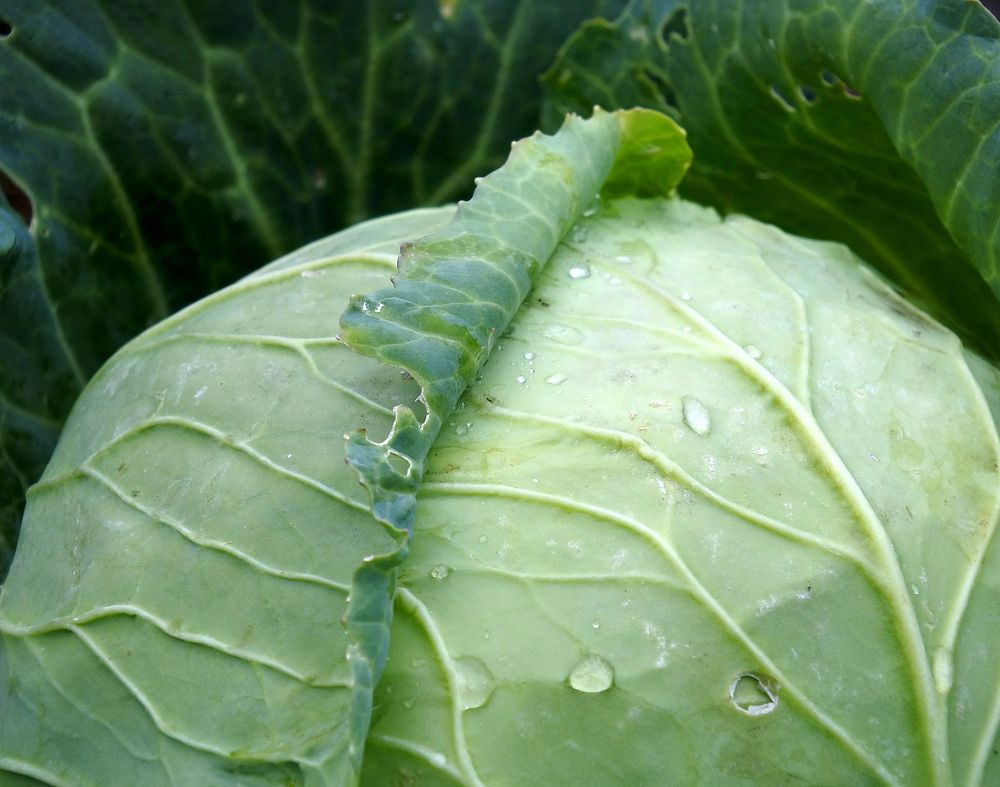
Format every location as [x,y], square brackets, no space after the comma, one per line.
[713,607]
[133,611]
[423,616]
[893,587]
[209,543]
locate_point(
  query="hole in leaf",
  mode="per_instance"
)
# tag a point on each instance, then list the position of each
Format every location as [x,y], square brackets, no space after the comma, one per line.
[675,25]
[753,694]
[662,87]
[399,463]
[18,199]
[5,28]
[782,99]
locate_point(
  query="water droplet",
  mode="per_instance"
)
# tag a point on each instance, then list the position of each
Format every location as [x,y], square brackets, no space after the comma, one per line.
[579,234]
[475,682]
[639,253]
[311,274]
[483,539]
[592,675]
[562,334]
[440,572]
[556,379]
[685,296]
[529,356]
[624,259]
[696,416]
[520,379]
[753,351]
[596,625]
[409,702]
[753,695]
[579,272]
[487,634]
[590,212]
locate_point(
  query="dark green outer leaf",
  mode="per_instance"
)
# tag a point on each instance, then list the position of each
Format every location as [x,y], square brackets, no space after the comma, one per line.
[873,123]
[168,147]
[33,368]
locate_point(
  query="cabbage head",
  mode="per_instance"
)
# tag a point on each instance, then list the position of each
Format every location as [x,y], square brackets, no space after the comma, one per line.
[647,496]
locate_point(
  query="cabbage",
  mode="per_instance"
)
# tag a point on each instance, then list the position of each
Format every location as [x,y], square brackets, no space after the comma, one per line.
[647,496]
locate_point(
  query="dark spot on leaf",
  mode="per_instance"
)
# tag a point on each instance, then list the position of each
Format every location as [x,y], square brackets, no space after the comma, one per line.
[850,92]
[17,197]
[543,302]
[808,94]
[829,78]
[675,25]
[5,28]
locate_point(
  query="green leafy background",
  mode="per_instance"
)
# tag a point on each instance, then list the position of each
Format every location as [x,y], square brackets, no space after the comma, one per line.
[165,148]
[169,147]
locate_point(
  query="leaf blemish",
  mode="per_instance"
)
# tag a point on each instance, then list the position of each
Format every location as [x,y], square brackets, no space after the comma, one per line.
[753,695]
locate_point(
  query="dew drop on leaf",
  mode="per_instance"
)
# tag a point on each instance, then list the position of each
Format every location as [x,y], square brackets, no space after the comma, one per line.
[696,416]
[475,682]
[556,379]
[562,334]
[592,675]
[440,572]
[579,272]
[753,351]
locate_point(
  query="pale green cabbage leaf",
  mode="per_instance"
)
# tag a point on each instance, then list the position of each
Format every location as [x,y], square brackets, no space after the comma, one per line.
[718,507]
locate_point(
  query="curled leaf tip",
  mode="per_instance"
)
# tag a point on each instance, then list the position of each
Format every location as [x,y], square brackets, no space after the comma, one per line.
[458,289]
